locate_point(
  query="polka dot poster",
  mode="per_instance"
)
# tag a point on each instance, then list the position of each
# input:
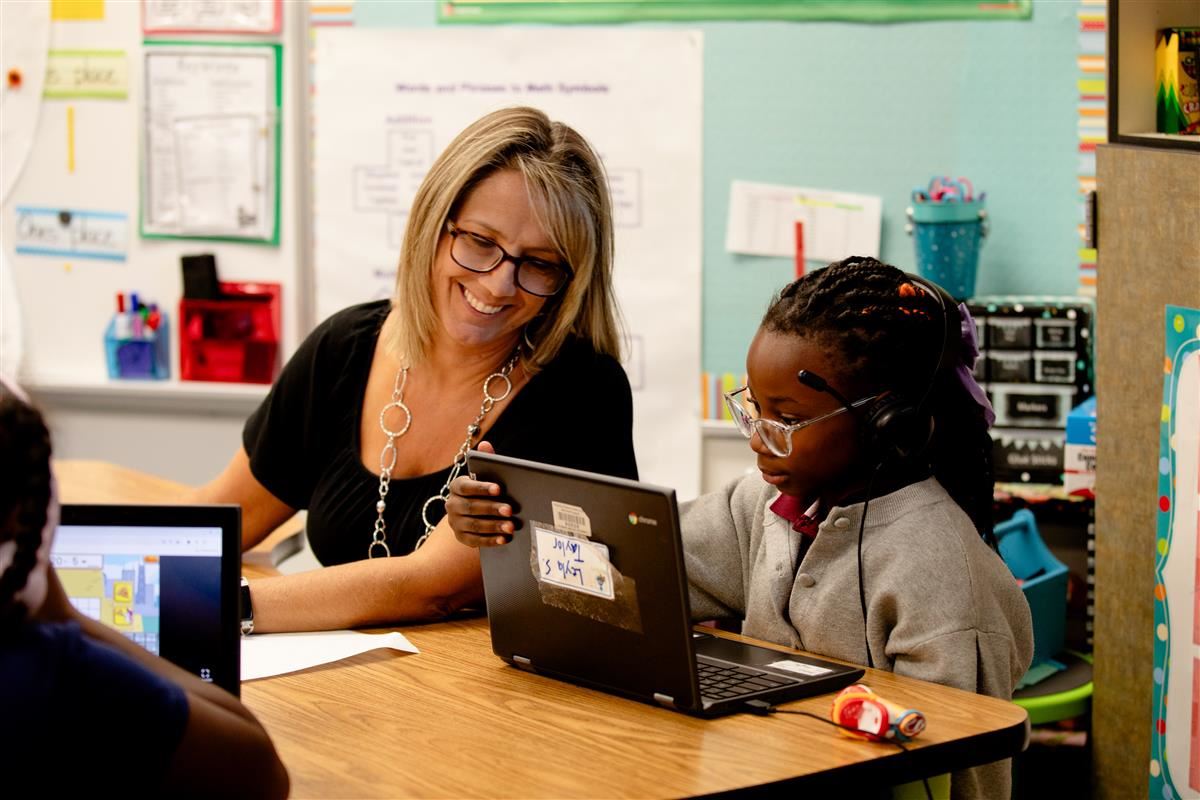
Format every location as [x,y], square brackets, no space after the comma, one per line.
[1175,740]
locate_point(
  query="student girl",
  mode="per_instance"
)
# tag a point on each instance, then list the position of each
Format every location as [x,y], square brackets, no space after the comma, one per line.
[83,709]
[867,534]
[503,304]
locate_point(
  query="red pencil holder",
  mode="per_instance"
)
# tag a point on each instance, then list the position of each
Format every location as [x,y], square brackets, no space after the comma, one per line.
[233,339]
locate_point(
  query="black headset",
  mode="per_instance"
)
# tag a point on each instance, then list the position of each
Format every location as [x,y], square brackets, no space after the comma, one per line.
[895,427]
[892,426]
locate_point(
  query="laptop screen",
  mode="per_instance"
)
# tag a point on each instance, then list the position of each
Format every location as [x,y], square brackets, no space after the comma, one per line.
[164,576]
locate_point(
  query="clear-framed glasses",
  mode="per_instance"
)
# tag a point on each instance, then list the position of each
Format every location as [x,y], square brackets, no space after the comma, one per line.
[480,254]
[775,435]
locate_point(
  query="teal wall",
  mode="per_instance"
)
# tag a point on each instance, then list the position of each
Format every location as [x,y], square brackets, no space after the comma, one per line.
[877,109]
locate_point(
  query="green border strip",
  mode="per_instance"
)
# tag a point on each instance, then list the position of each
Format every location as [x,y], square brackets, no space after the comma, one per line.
[482,12]
[80,95]
[278,177]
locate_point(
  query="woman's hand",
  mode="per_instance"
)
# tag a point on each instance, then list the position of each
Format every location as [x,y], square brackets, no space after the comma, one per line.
[476,515]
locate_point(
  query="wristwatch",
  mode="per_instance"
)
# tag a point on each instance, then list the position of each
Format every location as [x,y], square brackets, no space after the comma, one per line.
[247,608]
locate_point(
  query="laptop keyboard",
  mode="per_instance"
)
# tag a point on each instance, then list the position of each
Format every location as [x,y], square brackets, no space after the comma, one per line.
[722,681]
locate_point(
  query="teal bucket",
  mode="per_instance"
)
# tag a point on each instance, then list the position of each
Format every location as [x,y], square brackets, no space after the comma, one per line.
[947,238]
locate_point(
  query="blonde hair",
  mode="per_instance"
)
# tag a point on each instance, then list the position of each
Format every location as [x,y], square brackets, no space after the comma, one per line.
[569,191]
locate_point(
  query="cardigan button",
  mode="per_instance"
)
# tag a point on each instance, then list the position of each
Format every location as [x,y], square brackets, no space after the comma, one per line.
[806,580]
[841,523]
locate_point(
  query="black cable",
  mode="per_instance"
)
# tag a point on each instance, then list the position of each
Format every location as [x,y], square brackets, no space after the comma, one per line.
[763,709]
[862,594]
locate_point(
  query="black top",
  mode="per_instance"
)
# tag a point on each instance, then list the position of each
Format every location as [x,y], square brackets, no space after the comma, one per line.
[303,441]
[61,692]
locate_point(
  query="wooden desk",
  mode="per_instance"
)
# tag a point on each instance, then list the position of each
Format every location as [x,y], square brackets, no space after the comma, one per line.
[455,721]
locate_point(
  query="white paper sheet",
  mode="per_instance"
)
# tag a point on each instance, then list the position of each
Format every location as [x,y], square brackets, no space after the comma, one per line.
[243,16]
[267,654]
[386,103]
[218,172]
[209,145]
[762,219]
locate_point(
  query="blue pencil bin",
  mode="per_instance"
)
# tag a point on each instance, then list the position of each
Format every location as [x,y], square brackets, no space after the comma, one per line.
[948,237]
[1043,579]
[138,358]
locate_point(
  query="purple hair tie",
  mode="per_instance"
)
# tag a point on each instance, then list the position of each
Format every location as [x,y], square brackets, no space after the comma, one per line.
[963,370]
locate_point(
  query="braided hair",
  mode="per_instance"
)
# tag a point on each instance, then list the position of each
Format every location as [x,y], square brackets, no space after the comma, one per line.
[24,497]
[889,331]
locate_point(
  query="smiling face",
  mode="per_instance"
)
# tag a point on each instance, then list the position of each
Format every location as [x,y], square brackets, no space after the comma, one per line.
[483,310]
[825,456]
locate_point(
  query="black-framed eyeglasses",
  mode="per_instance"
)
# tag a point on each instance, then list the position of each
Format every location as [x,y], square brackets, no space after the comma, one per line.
[776,435]
[480,254]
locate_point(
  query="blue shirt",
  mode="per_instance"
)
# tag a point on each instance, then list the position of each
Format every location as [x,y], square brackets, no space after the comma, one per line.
[78,716]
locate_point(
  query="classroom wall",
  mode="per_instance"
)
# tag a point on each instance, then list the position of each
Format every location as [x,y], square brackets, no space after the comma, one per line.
[877,109]
[863,108]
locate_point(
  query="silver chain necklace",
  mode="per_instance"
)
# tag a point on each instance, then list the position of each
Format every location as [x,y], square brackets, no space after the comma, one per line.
[387,457]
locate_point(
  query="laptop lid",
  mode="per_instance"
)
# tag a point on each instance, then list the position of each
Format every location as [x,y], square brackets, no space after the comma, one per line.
[592,589]
[164,576]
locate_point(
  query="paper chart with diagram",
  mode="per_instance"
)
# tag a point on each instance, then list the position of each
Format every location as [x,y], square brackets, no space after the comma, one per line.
[387,101]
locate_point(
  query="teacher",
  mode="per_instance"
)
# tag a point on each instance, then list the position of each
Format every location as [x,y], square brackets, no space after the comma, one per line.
[502,324]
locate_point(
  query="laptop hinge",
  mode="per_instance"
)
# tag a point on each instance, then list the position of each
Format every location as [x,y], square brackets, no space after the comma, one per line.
[522,661]
[664,700]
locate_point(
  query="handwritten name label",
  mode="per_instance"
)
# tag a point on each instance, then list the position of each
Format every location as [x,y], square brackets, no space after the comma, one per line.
[573,563]
[86,73]
[71,233]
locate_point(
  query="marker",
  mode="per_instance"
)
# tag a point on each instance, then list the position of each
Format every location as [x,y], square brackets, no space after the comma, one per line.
[144,316]
[799,249]
[154,318]
[134,318]
[121,323]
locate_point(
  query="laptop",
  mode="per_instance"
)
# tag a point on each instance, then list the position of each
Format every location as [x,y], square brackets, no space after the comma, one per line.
[592,589]
[166,577]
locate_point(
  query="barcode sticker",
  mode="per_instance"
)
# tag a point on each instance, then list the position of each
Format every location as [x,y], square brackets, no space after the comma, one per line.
[571,519]
[573,563]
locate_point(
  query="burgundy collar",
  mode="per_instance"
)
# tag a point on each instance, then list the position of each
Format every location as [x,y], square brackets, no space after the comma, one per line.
[803,521]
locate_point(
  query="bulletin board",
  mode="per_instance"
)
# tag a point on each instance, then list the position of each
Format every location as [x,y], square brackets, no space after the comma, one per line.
[1175,736]
[85,167]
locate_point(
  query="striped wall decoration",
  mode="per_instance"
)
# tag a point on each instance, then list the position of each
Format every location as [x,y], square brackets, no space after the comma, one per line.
[324,14]
[1092,121]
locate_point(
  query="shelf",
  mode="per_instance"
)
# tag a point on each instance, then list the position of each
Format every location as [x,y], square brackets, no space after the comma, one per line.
[175,396]
[1132,25]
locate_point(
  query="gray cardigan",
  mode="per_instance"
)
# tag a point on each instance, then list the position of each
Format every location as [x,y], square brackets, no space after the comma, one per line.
[941,605]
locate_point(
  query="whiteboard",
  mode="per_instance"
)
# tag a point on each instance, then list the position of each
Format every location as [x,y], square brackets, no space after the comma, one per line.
[386,101]
[65,303]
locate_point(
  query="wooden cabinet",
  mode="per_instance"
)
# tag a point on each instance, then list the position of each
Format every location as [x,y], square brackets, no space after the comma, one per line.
[1148,255]
[1148,244]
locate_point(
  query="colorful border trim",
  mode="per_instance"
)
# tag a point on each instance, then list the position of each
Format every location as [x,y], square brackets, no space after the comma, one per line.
[1092,122]
[327,15]
[1182,339]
